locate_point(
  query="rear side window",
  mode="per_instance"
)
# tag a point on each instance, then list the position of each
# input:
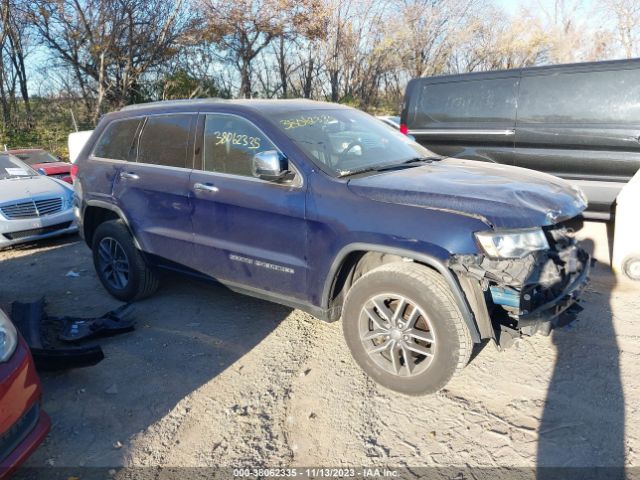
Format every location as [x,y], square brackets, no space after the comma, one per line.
[586,97]
[492,100]
[230,143]
[116,142]
[165,141]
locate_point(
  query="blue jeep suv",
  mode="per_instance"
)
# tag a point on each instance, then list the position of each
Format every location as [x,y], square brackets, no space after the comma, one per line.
[322,207]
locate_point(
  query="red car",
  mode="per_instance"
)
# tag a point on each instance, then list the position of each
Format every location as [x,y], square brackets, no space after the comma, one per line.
[45,163]
[23,424]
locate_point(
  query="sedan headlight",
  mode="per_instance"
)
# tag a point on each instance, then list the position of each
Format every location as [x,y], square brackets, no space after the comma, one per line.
[512,243]
[8,338]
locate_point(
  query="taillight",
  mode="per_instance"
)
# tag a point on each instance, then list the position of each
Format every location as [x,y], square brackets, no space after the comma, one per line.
[403,129]
[74,172]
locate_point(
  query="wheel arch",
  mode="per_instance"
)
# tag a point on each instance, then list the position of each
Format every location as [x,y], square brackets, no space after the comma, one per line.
[344,268]
[97,212]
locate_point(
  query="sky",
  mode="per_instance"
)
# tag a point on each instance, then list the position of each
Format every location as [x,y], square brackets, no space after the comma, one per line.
[513,6]
[39,82]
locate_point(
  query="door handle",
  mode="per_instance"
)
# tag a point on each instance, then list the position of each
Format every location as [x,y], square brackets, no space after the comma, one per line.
[129,176]
[206,187]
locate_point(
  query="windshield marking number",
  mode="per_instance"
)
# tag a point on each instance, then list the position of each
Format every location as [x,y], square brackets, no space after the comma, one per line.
[233,138]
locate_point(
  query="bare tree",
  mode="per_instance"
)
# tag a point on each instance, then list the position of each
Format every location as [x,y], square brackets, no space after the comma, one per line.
[110,44]
[425,30]
[626,19]
[244,28]
[13,71]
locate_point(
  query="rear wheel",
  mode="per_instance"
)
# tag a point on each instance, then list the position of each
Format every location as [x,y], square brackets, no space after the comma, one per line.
[120,266]
[404,328]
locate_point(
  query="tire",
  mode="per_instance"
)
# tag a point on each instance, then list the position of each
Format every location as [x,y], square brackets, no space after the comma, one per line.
[140,281]
[430,322]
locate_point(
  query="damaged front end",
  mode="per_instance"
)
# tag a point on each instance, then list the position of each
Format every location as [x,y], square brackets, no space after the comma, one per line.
[523,296]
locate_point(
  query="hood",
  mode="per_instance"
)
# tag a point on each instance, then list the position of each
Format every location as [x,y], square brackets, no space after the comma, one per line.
[502,196]
[12,190]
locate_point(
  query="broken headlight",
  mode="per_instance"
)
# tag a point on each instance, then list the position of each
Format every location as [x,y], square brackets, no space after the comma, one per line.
[512,243]
[8,338]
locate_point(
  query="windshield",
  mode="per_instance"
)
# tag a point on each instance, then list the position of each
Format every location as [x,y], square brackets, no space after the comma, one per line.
[12,167]
[347,141]
[31,158]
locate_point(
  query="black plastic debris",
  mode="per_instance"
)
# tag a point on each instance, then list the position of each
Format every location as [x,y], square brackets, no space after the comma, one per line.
[111,323]
[57,343]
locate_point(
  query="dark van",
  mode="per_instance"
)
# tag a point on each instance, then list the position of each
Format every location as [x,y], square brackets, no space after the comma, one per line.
[580,122]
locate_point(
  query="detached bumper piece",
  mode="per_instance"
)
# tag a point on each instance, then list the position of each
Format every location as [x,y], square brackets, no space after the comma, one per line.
[58,343]
[533,294]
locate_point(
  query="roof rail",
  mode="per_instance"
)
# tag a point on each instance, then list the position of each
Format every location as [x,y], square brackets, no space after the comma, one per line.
[170,103]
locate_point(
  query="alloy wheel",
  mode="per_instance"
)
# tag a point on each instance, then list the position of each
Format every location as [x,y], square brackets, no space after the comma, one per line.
[397,334]
[113,263]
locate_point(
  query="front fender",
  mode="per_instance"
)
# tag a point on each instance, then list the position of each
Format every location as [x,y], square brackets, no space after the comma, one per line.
[438,262]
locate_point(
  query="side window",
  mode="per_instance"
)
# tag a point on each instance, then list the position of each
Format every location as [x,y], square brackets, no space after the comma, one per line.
[589,97]
[492,100]
[116,142]
[165,140]
[230,143]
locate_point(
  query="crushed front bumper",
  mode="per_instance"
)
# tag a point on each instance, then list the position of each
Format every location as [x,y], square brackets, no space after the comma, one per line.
[549,315]
[529,295]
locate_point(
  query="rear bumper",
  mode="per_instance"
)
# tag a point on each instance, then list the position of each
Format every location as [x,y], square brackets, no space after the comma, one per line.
[13,232]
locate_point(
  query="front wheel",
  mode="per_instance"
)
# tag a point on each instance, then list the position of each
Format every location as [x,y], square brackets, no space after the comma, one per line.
[120,266]
[404,328]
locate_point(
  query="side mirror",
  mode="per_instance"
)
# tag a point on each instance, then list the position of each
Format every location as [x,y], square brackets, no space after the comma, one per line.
[269,165]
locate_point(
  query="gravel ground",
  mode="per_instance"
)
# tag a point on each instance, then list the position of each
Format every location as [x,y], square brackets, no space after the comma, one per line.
[210,378]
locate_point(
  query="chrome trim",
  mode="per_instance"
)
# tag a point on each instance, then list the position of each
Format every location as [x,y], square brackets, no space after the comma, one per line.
[104,159]
[254,179]
[445,131]
[205,188]
[129,176]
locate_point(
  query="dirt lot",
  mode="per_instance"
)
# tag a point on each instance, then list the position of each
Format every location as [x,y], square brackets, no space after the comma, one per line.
[211,378]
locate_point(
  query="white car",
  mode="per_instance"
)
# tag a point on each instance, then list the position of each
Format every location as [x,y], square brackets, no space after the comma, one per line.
[32,206]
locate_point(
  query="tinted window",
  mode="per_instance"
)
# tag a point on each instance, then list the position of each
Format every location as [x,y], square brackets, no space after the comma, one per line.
[591,97]
[165,140]
[117,140]
[230,143]
[473,101]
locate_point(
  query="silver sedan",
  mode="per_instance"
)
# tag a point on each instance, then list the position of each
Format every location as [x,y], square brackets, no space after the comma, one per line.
[32,206]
